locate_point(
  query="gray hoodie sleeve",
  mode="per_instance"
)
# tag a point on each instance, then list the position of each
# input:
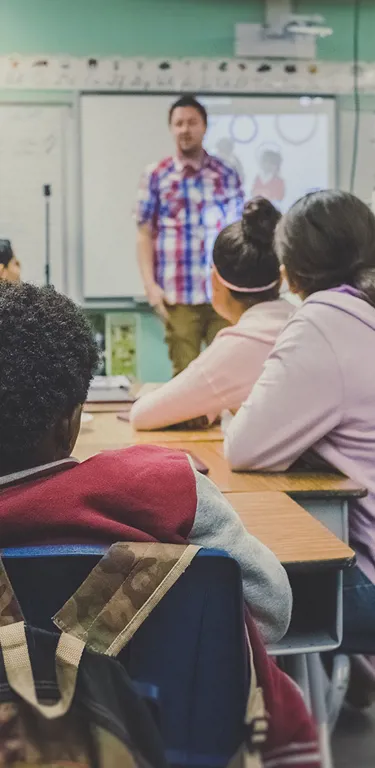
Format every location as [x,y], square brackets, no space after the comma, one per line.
[265,583]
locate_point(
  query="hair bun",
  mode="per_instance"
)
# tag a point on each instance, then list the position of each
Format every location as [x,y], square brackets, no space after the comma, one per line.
[259,219]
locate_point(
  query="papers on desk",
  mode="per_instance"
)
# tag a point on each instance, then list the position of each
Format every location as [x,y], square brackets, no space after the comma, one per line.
[110,382]
[109,389]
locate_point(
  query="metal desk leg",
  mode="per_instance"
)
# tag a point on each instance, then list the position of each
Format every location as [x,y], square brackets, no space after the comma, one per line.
[318,705]
[296,668]
[338,688]
[332,512]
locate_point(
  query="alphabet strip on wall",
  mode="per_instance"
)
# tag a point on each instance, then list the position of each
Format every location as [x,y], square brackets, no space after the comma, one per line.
[197,75]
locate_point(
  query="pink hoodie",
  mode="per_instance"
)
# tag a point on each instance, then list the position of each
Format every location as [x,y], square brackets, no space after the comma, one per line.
[222,376]
[318,390]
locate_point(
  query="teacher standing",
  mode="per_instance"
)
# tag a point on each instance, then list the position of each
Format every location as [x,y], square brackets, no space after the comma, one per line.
[183,203]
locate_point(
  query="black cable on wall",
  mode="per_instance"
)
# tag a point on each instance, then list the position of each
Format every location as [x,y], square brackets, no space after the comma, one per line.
[356,94]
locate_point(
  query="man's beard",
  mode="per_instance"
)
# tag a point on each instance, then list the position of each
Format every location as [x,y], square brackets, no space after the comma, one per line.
[191,151]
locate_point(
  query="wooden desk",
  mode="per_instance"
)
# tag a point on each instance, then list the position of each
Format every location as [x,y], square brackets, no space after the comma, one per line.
[325,495]
[265,511]
[289,531]
[107,432]
[107,407]
[300,484]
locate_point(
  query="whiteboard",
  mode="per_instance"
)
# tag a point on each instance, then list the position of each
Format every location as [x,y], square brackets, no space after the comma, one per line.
[31,155]
[122,134]
[365,171]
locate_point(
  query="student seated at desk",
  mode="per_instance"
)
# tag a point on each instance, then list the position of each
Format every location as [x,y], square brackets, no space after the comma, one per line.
[245,287]
[47,359]
[318,386]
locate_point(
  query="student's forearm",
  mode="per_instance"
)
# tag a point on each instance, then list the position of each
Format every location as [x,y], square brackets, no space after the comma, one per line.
[185,397]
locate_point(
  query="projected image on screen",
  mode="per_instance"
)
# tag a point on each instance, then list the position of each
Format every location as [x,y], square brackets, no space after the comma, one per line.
[278,156]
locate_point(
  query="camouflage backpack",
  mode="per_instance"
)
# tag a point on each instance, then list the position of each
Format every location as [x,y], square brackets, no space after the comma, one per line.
[98,720]
[64,705]
[119,594]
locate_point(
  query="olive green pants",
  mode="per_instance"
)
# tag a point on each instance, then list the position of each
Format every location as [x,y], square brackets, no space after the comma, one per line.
[190,326]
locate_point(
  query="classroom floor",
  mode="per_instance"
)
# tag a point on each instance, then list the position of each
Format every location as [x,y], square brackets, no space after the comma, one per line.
[354,739]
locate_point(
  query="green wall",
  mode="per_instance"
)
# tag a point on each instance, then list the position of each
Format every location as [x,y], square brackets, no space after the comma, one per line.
[152,355]
[161,27]
[339,15]
[128,27]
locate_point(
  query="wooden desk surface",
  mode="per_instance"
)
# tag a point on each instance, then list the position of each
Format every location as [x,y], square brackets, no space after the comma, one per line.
[294,536]
[299,484]
[286,528]
[107,432]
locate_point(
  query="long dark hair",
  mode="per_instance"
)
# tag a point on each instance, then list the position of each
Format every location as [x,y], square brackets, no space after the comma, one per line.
[244,252]
[327,239]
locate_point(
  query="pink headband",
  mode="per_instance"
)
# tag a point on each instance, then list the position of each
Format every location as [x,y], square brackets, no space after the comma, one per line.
[245,290]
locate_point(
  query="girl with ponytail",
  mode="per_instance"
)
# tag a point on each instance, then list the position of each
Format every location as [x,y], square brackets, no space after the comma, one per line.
[245,291]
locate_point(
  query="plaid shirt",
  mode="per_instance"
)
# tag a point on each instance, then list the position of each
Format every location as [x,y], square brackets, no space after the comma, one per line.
[186,208]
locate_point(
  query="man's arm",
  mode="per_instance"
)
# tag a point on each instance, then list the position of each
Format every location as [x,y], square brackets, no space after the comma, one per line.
[146,211]
[145,254]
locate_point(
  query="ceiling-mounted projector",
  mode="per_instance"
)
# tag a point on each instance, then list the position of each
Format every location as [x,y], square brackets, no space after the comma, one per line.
[282,35]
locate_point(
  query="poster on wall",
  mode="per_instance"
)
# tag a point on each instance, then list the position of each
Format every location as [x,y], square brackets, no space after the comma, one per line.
[267,150]
[115,336]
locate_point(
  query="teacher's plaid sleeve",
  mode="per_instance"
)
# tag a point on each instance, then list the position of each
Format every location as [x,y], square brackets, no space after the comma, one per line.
[147,199]
[235,198]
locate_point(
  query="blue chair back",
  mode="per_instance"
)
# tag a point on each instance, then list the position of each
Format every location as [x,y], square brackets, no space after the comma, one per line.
[191,647]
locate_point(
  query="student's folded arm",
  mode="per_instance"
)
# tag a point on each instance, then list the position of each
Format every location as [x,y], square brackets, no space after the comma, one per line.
[185,397]
[296,402]
[191,394]
[266,587]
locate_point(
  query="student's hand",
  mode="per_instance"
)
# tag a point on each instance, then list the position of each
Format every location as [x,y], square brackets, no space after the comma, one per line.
[200,422]
[156,299]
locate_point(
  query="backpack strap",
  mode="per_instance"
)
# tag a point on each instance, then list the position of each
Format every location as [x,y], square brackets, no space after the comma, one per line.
[20,675]
[13,643]
[10,611]
[121,591]
[256,723]
[256,718]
